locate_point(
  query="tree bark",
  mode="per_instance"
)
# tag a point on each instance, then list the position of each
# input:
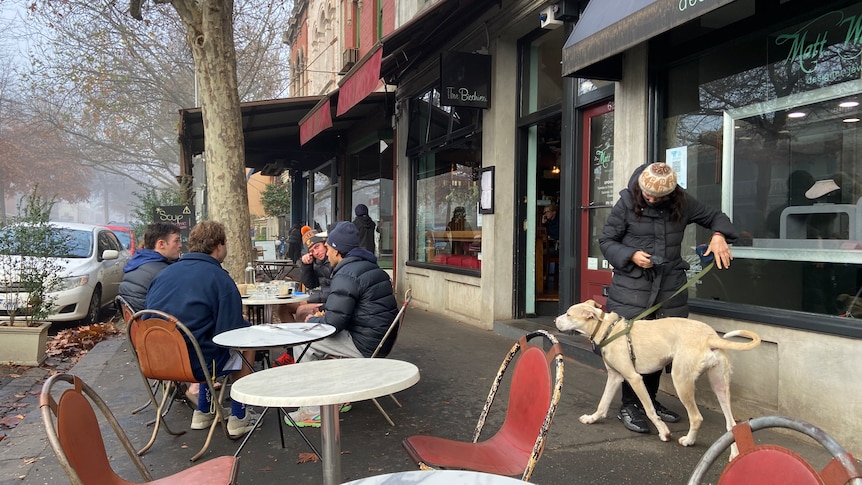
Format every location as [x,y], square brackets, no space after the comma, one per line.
[209,32]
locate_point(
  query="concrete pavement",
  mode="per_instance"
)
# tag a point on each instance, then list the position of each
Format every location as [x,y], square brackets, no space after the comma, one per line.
[457,364]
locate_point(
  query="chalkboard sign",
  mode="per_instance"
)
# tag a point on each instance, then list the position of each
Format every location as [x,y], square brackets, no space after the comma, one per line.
[465,80]
[181,215]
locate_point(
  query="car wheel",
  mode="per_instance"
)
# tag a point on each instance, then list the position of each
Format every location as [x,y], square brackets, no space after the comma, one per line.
[95,307]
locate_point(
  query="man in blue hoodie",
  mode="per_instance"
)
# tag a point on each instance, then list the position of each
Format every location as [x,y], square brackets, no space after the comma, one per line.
[202,295]
[162,246]
[361,305]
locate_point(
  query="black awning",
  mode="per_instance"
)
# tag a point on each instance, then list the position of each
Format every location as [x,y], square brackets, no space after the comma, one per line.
[271,131]
[607,28]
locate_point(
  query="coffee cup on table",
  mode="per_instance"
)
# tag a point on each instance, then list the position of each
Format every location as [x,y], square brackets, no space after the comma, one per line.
[243,289]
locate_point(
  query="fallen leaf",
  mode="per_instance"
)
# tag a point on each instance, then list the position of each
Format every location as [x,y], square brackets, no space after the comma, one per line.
[20,395]
[11,421]
[308,457]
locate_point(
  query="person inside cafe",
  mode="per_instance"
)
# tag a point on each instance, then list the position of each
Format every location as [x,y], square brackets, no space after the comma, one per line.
[552,224]
[459,231]
[162,246]
[361,305]
[202,295]
[366,227]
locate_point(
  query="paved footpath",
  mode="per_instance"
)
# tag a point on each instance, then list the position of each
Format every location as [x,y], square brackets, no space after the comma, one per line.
[457,364]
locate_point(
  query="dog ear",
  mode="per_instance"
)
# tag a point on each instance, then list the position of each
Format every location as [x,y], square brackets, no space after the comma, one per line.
[593,303]
[589,314]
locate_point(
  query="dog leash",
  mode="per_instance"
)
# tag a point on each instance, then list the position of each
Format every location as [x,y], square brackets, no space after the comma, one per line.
[653,308]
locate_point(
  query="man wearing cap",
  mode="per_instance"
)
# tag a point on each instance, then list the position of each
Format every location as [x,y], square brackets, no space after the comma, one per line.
[360,305]
[642,240]
[315,270]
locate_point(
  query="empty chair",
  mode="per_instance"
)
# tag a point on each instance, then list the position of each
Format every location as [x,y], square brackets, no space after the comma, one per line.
[536,385]
[767,464]
[156,339]
[73,433]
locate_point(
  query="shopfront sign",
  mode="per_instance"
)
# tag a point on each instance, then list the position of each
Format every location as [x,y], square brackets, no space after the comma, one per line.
[181,215]
[465,80]
[828,48]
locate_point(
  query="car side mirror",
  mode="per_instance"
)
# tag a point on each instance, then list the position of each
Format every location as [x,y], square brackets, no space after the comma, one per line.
[110,254]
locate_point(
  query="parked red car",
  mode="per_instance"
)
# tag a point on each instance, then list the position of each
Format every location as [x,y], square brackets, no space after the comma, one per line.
[124,234]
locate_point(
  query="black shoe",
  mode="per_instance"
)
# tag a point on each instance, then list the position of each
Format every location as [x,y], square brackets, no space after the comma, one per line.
[633,418]
[664,413]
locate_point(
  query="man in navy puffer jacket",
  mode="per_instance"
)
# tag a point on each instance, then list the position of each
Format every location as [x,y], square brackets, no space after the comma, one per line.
[360,305]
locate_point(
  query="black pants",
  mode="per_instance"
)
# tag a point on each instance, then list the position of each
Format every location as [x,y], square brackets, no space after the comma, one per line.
[651,382]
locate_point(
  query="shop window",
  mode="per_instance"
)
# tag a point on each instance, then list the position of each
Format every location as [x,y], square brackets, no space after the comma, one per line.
[774,139]
[445,149]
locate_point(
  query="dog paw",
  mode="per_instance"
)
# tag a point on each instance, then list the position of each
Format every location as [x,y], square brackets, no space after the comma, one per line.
[664,434]
[686,441]
[587,419]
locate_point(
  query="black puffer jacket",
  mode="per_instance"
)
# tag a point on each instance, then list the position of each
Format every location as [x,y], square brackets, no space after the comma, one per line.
[361,301]
[314,275]
[635,289]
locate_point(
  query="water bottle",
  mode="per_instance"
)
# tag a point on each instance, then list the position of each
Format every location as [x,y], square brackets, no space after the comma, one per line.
[249,274]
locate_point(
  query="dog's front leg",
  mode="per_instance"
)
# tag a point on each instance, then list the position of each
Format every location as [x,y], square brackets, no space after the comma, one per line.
[611,387]
[637,383]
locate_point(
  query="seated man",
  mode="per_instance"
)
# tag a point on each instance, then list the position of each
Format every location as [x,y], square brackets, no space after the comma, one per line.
[203,296]
[315,274]
[360,305]
[162,246]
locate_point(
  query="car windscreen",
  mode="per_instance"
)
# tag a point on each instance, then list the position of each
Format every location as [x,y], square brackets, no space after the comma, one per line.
[124,238]
[68,243]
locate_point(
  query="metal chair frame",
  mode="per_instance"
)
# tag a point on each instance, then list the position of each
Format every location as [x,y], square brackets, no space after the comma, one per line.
[840,470]
[157,321]
[416,445]
[392,331]
[75,436]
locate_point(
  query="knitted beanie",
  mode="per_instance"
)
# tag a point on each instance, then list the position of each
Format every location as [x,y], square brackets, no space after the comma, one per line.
[361,210]
[310,238]
[657,180]
[343,237]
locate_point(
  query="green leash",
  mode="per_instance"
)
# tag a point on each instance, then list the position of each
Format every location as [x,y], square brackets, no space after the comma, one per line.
[655,307]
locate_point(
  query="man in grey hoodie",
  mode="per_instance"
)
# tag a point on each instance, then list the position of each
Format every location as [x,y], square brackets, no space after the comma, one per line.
[162,246]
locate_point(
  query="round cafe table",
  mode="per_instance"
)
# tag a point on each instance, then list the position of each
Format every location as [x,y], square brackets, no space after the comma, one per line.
[268,303]
[437,477]
[326,383]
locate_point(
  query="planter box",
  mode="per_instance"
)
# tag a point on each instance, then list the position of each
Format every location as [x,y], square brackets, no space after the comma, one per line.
[23,345]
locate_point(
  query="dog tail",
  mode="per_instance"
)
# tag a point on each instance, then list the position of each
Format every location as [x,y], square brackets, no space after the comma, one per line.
[724,343]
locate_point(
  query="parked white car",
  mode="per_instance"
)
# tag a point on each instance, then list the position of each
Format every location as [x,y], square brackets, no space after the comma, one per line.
[91,275]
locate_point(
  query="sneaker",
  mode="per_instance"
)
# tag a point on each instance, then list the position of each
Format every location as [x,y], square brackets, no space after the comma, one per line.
[305,417]
[202,420]
[633,418]
[284,359]
[237,427]
[664,413]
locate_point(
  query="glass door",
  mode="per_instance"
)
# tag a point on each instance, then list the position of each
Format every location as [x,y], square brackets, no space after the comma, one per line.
[597,198]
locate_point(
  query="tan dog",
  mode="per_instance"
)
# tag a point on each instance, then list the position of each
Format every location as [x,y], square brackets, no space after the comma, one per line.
[692,346]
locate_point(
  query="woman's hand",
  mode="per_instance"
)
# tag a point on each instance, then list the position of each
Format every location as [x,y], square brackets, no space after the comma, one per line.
[642,259]
[719,248]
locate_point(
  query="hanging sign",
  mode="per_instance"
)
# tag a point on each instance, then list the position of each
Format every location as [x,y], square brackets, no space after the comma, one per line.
[465,80]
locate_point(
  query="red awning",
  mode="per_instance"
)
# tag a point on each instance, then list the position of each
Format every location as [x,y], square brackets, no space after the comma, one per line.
[361,81]
[317,120]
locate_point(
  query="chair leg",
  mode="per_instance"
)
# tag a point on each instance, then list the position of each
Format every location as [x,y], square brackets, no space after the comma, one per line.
[166,392]
[380,408]
[219,417]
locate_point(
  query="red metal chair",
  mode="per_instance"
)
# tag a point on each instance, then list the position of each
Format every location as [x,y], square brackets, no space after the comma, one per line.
[534,393]
[766,464]
[73,432]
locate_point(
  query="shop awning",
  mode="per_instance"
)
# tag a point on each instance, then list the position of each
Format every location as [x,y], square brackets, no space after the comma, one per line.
[272,135]
[607,28]
[317,120]
[362,80]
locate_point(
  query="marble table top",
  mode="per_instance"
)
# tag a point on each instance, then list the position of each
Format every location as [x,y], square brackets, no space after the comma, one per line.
[273,335]
[323,382]
[279,300]
[437,477]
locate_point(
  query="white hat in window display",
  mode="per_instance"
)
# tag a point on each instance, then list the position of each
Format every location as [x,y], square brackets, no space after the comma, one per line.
[821,188]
